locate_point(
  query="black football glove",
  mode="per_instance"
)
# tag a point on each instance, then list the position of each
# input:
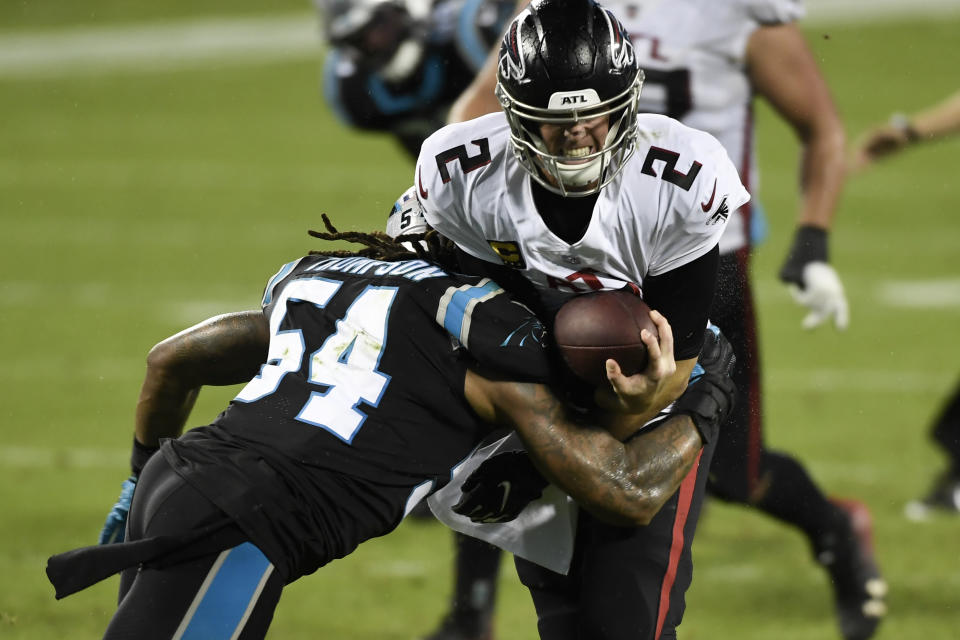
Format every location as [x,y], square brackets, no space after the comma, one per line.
[716,355]
[813,283]
[708,401]
[500,488]
[710,397]
[809,245]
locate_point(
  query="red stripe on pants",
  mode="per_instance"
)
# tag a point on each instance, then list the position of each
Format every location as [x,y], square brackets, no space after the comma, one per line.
[684,498]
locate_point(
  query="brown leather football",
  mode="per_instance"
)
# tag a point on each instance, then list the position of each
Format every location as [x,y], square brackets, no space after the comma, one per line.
[593,327]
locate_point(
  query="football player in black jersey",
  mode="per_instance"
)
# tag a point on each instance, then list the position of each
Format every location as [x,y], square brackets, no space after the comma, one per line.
[362,406]
[396,66]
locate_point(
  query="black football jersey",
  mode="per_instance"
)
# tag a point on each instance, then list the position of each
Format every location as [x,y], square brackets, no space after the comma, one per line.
[361,400]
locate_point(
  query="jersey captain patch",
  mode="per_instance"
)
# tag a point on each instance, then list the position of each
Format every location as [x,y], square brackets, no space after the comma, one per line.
[509,253]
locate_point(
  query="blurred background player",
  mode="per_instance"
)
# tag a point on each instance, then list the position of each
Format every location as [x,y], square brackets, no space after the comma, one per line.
[397,65]
[704,62]
[938,121]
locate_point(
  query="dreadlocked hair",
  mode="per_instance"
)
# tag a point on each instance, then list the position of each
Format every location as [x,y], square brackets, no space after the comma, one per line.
[379,246]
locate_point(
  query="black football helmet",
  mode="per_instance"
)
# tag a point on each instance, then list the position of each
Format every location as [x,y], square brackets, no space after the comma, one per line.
[564,61]
[388,36]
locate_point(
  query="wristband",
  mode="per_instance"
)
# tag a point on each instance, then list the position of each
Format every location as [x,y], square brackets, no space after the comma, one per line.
[902,124]
[809,245]
[708,402]
[139,456]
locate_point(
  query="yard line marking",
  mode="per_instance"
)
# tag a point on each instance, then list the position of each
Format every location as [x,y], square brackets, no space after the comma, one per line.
[204,43]
[921,294]
[23,457]
[160,46]
[835,380]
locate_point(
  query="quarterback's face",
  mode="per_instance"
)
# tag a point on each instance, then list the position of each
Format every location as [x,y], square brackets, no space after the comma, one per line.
[575,148]
[575,139]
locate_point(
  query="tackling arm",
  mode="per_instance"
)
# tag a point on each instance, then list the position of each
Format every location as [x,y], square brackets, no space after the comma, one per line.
[227,349]
[223,350]
[620,483]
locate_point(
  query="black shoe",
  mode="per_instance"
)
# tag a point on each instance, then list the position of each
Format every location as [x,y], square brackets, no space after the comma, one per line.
[858,588]
[451,629]
[944,497]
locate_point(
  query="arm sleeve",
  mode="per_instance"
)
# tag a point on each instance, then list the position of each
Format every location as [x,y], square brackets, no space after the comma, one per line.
[501,334]
[684,296]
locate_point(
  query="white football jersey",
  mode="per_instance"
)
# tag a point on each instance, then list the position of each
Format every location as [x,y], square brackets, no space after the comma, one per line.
[693,54]
[668,206]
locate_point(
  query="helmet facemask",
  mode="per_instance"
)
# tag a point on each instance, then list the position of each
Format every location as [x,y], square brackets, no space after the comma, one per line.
[567,62]
[381,34]
[574,176]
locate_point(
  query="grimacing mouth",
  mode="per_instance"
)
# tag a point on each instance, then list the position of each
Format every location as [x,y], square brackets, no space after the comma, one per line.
[577,155]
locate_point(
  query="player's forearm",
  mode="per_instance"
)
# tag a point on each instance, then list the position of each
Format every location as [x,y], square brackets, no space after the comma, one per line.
[623,484]
[662,457]
[784,71]
[478,98]
[162,409]
[823,172]
[224,350]
[938,121]
[620,484]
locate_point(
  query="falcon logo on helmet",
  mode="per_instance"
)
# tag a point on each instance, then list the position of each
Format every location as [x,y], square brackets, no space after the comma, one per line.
[623,57]
[511,59]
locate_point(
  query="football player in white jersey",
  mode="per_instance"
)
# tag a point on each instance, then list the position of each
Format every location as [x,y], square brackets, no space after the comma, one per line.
[568,190]
[704,62]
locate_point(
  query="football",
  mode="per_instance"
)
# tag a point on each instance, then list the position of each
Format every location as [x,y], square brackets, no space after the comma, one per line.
[590,328]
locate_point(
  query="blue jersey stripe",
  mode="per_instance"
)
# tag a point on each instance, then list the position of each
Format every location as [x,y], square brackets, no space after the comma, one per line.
[277,277]
[391,104]
[456,320]
[230,595]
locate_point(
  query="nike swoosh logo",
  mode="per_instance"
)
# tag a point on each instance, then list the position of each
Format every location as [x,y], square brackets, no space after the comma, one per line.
[709,203]
[423,192]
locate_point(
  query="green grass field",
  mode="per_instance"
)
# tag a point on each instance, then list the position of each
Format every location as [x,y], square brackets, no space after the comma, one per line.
[141,198]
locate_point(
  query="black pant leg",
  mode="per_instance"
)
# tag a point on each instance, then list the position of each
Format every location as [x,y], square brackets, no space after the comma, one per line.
[625,583]
[216,592]
[946,430]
